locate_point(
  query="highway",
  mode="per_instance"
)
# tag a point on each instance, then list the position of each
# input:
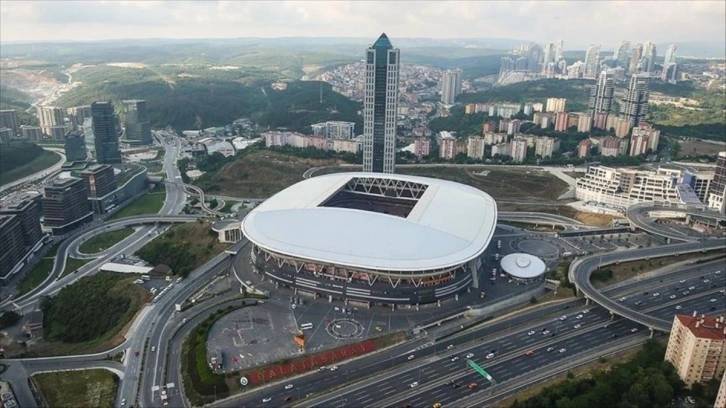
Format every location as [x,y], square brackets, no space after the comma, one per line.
[581,270]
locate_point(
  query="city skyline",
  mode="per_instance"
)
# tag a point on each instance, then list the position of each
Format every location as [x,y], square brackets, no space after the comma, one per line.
[698,21]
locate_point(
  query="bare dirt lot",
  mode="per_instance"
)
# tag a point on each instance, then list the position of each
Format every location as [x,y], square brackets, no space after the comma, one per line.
[697,148]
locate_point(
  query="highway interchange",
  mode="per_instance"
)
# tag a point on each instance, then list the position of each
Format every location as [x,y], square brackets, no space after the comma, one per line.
[160,327]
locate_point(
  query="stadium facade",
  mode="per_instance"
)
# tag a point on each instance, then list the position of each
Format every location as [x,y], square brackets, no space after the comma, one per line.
[373,238]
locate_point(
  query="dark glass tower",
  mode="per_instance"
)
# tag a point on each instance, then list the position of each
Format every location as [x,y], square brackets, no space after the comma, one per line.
[380,106]
[105,133]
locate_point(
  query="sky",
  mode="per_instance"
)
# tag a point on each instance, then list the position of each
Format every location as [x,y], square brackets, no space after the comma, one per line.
[577,23]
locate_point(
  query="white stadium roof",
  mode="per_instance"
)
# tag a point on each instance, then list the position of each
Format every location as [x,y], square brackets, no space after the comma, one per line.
[450,224]
[523,266]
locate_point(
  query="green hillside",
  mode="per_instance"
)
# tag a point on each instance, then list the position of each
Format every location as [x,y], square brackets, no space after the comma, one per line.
[576,91]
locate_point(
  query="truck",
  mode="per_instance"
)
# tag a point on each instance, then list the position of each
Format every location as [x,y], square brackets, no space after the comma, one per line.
[164,397]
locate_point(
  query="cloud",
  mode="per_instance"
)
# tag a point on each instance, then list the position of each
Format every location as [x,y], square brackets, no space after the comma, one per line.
[577,23]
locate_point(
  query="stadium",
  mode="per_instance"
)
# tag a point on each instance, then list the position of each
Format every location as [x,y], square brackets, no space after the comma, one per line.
[373,238]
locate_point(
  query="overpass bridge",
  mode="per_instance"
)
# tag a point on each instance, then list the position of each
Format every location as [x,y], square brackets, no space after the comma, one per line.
[582,269]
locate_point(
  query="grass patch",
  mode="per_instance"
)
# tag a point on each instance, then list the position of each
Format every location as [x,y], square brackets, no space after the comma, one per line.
[149,203]
[626,270]
[72,265]
[87,388]
[36,276]
[104,241]
[153,166]
[599,220]
[228,206]
[183,247]
[43,161]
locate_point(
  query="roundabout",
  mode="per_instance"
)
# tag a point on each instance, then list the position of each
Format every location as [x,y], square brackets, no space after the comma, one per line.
[344,328]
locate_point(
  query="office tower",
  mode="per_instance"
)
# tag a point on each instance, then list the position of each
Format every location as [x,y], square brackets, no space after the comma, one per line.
[649,54]
[11,246]
[669,65]
[99,180]
[75,146]
[9,119]
[379,107]
[635,103]
[27,210]
[136,121]
[697,347]
[50,116]
[105,133]
[620,56]
[559,50]
[534,58]
[601,95]
[592,61]
[65,204]
[450,86]
[5,135]
[635,58]
[31,133]
[717,193]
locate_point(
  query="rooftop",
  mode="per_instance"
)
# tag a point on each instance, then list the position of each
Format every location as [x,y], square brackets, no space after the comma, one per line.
[523,266]
[705,327]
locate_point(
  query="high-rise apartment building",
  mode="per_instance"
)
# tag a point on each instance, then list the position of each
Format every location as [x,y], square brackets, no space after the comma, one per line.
[638,144]
[584,123]
[669,65]
[334,130]
[9,119]
[635,103]
[65,205]
[75,146]
[649,55]
[609,146]
[601,95]
[653,134]
[32,133]
[136,121]
[77,115]
[450,86]
[422,146]
[50,116]
[475,147]
[5,135]
[546,146]
[555,104]
[697,347]
[562,121]
[447,145]
[11,245]
[58,133]
[379,106]
[27,210]
[592,61]
[717,193]
[721,394]
[583,148]
[534,58]
[105,133]
[635,57]
[620,56]
[559,50]
[518,149]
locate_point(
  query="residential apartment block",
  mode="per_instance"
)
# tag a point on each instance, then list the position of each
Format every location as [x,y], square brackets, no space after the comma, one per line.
[697,347]
[623,187]
[556,104]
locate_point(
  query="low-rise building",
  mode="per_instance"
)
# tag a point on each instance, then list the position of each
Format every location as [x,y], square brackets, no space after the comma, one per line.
[623,187]
[697,347]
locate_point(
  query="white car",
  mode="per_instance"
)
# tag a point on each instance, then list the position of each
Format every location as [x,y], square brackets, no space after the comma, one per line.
[622,299]
[333,368]
[123,401]
[545,332]
[289,386]
[673,296]
[579,317]
[682,281]
[470,355]
[656,294]
[586,311]
[450,346]
[454,358]
[562,350]
[713,300]
[490,355]
[267,399]
[411,357]
[691,287]
[414,384]
[563,318]
[577,326]
[679,307]
[634,330]
[550,349]
[531,333]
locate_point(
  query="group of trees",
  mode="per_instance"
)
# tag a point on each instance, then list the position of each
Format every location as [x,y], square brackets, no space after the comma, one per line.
[644,381]
[17,153]
[575,90]
[181,248]
[86,310]
[319,154]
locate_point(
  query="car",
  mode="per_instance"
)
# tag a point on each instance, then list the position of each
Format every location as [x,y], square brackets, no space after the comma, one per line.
[656,294]
[470,355]
[530,333]
[411,357]
[454,358]
[622,299]
[123,401]
[289,386]
[287,399]
[450,382]
[378,328]
[563,318]
[153,348]
[333,368]
[267,399]
[450,346]
[414,384]
[545,332]
[673,296]
[634,330]
[586,311]
[615,336]
[562,350]
[717,273]
[550,349]
[691,287]
[472,385]
[136,353]
[638,303]
[686,293]
[490,355]
[577,326]
[578,317]
[679,307]
[682,281]
[529,353]
[706,281]
[321,368]
[713,300]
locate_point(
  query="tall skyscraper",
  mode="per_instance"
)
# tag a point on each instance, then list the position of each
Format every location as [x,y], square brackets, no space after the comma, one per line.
[592,61]
[635,103]
[50,116]
[635,58]
[9,119]
[559,50]
[380,106]
[601,95]
[450,86]
[75,146]
[620,56]
[649,54]
[136,121]
[105,133]
[65,205]
[534,58]
[669,65]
